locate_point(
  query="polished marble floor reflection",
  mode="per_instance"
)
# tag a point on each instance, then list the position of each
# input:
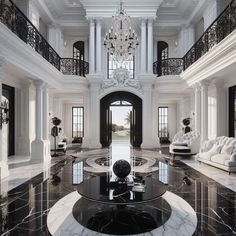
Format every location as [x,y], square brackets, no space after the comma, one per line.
[24,209]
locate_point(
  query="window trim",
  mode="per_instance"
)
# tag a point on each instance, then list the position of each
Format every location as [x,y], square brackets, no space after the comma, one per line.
[159,108]
[73,123]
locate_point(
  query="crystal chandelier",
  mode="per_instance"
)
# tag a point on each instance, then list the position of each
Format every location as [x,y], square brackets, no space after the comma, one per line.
[121,41]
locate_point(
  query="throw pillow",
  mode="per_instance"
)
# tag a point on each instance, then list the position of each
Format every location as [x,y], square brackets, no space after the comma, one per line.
[227,149]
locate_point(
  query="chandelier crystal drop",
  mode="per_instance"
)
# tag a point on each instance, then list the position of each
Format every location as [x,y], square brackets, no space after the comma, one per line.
[121,40]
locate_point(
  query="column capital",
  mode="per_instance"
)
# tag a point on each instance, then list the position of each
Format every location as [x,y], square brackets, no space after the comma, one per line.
[91,20]
[143,20]
[39,84]
[99,20]
[150,20]
[204,83]
[26,84]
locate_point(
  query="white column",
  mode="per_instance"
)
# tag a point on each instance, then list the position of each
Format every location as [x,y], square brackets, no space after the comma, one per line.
[197,115]
[143,58]
[86,101]
[45,112]
[39,109]
[221,109]
[148,139]
[23,121]
[98,47]
[46,120]
[92,47]
[150,46]
[39,147]
[4,172]
[94,115]
[204,111]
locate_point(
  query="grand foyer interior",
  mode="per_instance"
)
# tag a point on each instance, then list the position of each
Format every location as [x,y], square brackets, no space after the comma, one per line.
[53,63]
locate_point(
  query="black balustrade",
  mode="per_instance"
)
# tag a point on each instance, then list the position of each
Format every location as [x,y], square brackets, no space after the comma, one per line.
[70,66]
[18,23]
[215,33]
[170,66]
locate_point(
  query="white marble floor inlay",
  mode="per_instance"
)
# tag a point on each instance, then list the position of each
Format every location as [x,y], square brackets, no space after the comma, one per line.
[182,222]
[220,176]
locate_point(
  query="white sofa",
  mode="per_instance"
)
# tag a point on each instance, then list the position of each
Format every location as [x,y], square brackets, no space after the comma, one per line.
[185,144]
[219,152]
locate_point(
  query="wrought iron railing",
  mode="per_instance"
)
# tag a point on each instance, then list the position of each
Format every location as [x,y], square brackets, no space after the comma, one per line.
[170,66]
[70,66]
[18,23]
[215,33]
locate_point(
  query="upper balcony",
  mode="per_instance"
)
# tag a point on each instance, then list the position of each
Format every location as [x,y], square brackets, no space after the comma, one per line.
[19,24]
[215,33]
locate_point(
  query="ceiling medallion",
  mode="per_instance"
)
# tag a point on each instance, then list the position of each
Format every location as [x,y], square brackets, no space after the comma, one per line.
[121,41]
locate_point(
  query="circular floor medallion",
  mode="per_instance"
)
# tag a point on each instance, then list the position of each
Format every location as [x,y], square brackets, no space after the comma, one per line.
[182,221]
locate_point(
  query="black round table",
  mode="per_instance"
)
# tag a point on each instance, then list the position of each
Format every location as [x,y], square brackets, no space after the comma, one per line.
[102,189]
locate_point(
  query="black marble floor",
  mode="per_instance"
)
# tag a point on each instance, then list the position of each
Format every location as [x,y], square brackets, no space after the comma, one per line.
[24,210]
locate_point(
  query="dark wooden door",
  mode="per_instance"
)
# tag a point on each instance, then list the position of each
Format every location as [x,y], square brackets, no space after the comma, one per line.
[106,118]
[9,93]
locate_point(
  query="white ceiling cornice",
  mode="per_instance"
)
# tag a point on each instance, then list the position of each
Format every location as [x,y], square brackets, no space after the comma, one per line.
[134,8]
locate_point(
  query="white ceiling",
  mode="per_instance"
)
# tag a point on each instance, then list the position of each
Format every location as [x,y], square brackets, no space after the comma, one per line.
[73,14]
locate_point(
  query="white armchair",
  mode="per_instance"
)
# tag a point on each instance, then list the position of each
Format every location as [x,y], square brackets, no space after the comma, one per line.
[185,144]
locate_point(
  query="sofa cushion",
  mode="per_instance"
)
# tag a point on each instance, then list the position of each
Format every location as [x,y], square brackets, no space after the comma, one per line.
[216,148]
[205,155]
[220,158]
[227,149]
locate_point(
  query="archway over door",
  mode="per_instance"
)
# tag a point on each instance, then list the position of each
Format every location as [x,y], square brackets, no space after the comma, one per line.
[106,117]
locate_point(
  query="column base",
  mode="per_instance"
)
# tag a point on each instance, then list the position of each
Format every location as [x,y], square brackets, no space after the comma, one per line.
[4,171]
[40,151]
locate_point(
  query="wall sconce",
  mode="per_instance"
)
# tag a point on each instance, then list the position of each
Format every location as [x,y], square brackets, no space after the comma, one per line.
[4,113]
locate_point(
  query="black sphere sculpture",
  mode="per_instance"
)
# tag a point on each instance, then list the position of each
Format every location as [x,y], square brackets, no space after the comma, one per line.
[121,168]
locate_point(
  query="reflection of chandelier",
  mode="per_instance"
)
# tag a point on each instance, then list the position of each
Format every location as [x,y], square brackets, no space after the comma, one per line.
[121,41]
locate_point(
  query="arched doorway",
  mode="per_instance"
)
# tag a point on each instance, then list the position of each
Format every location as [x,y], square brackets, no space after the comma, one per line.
[135,117]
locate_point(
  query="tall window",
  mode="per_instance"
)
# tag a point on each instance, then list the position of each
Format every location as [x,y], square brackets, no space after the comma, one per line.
[163,122]
[78,50]
[162,50]
[112,65]
[77,122]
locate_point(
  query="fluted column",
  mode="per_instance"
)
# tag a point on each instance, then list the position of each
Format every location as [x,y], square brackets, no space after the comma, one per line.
[204,111]
[92,47]
[40,146]
[39,109]
[221,108]
[197,114]
[4,172]
[150,46]
[98,47]
[143,47]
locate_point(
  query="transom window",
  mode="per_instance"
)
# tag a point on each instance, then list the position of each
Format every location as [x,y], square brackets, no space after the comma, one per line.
[163,122]
[113,64]
[121,103]
[77,122]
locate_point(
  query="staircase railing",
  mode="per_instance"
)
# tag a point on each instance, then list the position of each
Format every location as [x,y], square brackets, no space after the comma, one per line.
[19,24]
